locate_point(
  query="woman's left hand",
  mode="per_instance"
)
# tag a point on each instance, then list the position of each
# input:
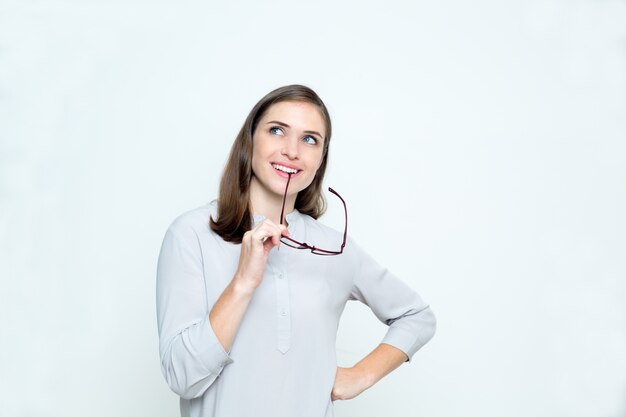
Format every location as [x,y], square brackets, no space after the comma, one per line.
[349,382]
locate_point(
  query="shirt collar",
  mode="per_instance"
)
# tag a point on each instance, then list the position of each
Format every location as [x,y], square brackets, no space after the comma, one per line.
[292,218]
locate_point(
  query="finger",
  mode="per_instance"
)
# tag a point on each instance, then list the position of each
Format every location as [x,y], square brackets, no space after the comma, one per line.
[272,243]
[272,236]
[280,228]
[269,232]
[284,231]
[259,235]
[265,229]
[276,237]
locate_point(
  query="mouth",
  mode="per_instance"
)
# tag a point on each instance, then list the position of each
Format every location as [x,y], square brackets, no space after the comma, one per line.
[285,169]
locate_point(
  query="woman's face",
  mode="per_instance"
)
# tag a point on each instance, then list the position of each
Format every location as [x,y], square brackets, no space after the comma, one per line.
[288,138]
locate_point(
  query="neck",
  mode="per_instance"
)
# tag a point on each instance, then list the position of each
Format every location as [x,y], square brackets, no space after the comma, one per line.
[269,204]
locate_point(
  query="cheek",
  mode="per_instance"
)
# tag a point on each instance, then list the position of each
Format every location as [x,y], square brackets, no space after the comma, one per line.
[256,163]
[257,152]
[319,162]
[254,160]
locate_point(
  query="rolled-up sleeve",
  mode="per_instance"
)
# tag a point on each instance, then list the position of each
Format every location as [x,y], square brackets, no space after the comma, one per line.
[191,355]
[411,321]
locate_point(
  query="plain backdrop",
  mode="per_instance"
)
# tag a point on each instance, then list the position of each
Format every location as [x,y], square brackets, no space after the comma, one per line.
[481,147]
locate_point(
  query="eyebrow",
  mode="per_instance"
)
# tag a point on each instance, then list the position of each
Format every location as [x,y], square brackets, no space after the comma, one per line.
[311,132]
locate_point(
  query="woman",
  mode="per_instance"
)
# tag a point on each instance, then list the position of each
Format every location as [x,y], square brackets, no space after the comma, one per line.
[247,309]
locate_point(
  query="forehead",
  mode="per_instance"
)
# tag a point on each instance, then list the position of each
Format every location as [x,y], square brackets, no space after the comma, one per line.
[297,114]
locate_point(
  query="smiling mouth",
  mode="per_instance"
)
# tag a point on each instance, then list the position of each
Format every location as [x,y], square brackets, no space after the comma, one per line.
[286,170]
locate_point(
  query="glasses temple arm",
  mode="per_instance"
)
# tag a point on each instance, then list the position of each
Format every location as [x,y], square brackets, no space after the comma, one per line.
[345,210]
[282,211]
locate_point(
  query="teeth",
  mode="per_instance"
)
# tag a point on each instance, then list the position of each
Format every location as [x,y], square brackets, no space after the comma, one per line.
[284,169]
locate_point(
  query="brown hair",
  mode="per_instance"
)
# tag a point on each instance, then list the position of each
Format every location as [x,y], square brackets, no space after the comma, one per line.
[233,211]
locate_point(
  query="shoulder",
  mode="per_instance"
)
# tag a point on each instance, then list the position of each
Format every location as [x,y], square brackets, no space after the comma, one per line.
[317,228]
[324,236]
[194,221]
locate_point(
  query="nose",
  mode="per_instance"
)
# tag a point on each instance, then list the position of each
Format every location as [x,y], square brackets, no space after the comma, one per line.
[290,148]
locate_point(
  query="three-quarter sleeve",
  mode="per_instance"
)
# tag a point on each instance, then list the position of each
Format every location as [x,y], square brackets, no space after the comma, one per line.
[411,321]
[191,355]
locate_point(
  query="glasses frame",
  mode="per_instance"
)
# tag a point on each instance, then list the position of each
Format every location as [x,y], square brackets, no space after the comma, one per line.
[292,243]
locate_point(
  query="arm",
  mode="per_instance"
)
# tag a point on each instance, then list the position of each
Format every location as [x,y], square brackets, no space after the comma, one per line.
[411,325]
[350,382]
[228,311]
[193,343]
[191,355]
[230,307]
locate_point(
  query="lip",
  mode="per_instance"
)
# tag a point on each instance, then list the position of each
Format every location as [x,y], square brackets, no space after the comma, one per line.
[284,174]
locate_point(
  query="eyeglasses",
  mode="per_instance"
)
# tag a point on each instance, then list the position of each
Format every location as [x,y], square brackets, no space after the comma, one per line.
[302,245]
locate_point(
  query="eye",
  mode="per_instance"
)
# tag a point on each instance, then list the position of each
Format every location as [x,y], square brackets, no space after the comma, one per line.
[310,140]
[274,130]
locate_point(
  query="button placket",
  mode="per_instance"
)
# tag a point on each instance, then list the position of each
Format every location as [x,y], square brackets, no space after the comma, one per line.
[283,314]
[283,310]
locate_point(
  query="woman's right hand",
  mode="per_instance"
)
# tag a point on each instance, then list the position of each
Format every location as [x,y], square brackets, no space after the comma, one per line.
[255,249]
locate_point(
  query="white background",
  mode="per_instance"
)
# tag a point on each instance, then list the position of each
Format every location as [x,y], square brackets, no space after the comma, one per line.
[481,147]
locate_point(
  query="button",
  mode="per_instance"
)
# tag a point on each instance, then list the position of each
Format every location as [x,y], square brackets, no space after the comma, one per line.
[280,276]
[283,313]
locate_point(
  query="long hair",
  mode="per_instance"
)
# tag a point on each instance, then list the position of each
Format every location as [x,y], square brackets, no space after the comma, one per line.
[233,211]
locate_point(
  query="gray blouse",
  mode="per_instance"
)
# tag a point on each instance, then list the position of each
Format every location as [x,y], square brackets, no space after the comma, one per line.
[282,362]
